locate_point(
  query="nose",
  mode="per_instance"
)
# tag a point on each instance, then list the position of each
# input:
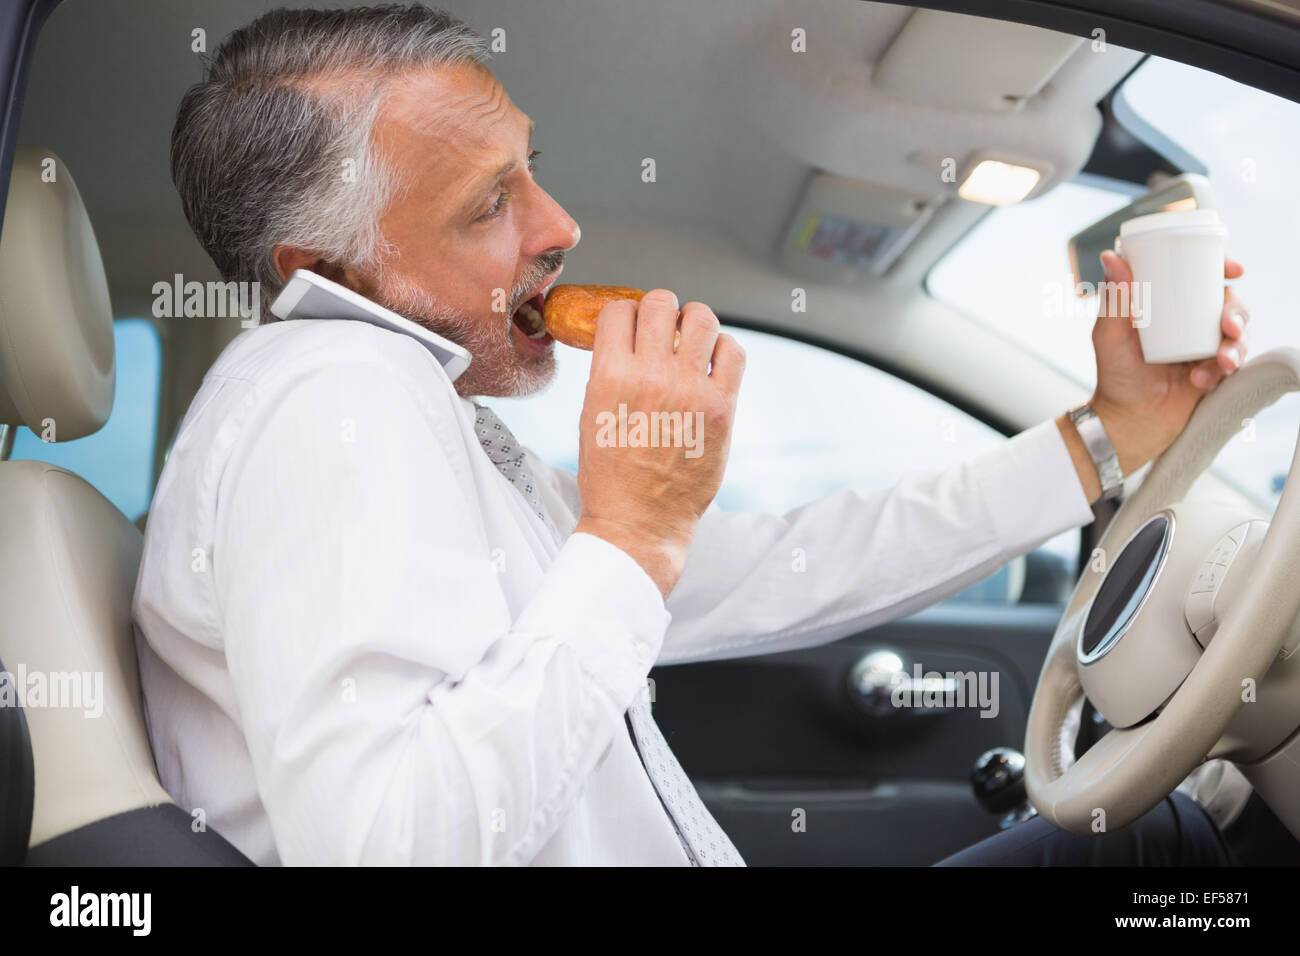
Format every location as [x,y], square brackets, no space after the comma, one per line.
[555,228]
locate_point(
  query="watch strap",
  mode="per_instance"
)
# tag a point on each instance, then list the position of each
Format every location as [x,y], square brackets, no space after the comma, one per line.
[1100,450]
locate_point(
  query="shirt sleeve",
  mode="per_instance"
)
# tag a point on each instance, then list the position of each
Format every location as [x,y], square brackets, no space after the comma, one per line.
[394,710]
[859,557]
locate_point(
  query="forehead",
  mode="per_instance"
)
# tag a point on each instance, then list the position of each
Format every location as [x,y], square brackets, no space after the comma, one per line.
[457,117]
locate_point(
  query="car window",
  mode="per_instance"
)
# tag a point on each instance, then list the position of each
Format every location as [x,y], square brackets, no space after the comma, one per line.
[117,459]
[809,422]
[1248,141]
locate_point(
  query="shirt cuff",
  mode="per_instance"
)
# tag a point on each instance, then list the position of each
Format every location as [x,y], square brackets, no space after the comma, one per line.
[1031,488]
[601,603]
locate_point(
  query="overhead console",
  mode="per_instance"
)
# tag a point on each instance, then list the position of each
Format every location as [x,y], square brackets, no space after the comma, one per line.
[900,112]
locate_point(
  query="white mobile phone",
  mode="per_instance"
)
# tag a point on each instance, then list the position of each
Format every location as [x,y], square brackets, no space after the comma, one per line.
[310,296]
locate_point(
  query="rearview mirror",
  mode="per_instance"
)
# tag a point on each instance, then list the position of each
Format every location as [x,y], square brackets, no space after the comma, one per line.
[1188,191]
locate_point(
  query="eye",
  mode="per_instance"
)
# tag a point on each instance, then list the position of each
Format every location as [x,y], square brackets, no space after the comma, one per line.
[503,197]
[496,208]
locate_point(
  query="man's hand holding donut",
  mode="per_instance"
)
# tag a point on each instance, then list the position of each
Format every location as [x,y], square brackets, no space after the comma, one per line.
[647,499]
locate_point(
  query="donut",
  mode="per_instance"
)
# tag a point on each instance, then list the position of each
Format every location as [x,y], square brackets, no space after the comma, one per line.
[570,311]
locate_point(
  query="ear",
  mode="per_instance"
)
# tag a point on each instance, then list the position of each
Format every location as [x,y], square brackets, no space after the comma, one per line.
[287,259]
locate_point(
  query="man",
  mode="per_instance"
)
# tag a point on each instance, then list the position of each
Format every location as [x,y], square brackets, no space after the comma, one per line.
[375,630]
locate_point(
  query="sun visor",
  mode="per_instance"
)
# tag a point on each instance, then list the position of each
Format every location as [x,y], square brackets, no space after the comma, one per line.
[846,229]
[958,62]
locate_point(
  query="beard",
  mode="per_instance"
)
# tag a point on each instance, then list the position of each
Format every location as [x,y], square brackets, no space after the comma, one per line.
[496,368]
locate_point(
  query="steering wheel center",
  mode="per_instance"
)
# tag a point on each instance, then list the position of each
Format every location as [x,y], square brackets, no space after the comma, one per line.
[1134,646]
[1125,587]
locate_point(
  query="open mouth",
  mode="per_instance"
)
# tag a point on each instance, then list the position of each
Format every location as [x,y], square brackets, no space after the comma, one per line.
[528,317]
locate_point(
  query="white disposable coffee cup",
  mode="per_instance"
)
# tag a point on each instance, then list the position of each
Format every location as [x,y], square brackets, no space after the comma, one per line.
[1177,263]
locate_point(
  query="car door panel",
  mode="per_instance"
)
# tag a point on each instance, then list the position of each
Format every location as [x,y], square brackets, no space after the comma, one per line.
[765,737]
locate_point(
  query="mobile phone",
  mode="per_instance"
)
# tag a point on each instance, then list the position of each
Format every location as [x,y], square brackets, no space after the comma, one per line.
[310,296]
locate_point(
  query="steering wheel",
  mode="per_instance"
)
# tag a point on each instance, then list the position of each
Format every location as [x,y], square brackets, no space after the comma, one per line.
[1182,611]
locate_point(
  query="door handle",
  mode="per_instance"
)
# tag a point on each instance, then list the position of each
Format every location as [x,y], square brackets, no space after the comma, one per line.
[880,676]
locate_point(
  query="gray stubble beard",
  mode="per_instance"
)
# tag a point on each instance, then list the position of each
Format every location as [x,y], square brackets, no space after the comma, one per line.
[496,369]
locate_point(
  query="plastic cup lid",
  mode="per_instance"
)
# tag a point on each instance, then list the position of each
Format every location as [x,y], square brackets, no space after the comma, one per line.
[1174,219]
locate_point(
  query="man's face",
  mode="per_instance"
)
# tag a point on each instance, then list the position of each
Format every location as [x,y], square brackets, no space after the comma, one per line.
[475,237]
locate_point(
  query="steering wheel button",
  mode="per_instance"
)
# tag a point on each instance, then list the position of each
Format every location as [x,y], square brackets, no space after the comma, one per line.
[1207,579]
[1221,554]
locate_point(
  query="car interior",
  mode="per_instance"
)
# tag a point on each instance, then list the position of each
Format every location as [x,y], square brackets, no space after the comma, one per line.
[812,181]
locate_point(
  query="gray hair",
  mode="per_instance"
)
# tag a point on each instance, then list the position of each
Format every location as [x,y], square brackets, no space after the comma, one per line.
[263,145]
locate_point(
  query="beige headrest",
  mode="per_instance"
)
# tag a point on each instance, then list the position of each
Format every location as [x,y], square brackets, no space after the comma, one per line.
[56,322]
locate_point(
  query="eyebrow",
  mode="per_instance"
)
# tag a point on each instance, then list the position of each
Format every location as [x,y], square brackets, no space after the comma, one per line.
[480,194]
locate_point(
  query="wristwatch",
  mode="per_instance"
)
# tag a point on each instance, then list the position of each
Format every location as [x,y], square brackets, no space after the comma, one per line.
[1100,449]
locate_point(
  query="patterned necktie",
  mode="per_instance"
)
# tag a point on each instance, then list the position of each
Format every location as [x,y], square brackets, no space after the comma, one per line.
[703,840]
[508,455]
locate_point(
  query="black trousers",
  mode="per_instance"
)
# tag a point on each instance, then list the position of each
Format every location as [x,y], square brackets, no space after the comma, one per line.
[1176,832]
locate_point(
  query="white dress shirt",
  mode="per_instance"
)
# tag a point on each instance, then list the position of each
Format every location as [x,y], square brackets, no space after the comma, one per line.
[359,646]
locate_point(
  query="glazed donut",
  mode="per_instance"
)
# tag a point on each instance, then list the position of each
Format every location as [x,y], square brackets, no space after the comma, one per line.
[570,311]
